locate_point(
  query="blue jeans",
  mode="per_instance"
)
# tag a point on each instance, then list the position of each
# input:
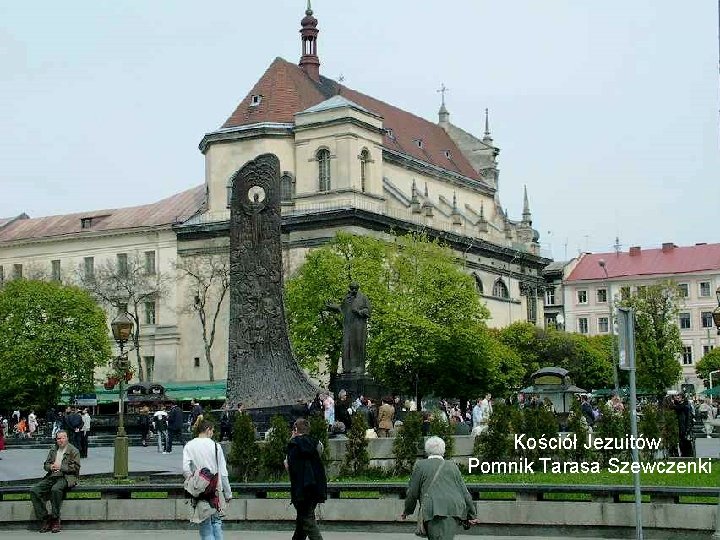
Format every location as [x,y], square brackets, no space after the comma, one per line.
[211,528]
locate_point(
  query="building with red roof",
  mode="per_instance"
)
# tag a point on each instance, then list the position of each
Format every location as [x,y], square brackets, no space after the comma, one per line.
[596,278]
[349,162]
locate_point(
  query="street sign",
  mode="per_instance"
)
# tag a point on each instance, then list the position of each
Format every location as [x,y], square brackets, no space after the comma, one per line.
[626,338]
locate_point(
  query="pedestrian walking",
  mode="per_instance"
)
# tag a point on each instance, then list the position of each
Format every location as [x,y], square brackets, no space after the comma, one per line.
[308,481]
[144,420]
[225,424]
[32,424]
[62,467]
[175,427]
[204,460]
[439,488]
[85,433]
[160,426]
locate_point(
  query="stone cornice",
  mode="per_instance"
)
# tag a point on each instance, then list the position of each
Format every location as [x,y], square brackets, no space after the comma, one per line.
[372,221]
[86,235]
[252,131]
[339,121]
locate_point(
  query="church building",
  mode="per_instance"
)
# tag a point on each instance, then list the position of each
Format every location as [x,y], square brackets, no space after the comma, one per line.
[349,162]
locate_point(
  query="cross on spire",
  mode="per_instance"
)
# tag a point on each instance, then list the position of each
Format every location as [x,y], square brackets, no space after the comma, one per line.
[442,91]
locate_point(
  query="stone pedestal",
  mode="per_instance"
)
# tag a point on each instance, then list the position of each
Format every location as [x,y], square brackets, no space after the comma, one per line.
[358,384]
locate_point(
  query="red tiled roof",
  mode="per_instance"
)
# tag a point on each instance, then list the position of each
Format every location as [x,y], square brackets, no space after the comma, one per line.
[176,208]
[677,260]
[286,90]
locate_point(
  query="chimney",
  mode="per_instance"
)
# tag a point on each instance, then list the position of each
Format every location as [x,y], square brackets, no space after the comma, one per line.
[635,251]
[668,246]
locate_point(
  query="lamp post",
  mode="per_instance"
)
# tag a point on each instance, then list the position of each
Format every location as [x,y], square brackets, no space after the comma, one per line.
[611,325]
[122,327]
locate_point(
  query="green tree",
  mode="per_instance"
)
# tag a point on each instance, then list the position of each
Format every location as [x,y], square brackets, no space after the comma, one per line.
[275,450]
[709,362]
[426,315]
[657,336]
[52,337]
[356,459]
[407,442]
[244,455]
[319,432]
[496,442]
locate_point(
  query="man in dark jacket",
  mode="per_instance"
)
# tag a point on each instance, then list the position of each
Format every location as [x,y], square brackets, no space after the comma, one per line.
[62,467]
[175,425]
[308,482]
[685,417]
[342,410]
[74,425]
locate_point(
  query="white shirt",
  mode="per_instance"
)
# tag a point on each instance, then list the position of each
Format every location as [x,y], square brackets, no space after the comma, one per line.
[59,456]
[86,422]
[199,453]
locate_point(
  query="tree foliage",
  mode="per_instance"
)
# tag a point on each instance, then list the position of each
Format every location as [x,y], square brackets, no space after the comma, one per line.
[52,337]
[657,336]
[588,359]
[709,362]
[407,442]
[356,460]
[244,455]
[208,278]
[275,450]
[427,324]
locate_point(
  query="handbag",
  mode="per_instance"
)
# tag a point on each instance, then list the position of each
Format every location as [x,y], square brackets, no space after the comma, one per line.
[420,529]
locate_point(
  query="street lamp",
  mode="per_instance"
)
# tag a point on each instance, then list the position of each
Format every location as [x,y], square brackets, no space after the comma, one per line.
[611,325]
[122,327]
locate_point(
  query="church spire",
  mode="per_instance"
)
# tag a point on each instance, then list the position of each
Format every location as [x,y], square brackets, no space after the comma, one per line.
[526,216]
[487,138]
[309,61]
[443,114]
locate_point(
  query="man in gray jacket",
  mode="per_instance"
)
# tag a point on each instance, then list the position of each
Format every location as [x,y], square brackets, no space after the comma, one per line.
[63,467]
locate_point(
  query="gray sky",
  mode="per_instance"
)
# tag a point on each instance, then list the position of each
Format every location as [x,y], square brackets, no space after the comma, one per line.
[608,111]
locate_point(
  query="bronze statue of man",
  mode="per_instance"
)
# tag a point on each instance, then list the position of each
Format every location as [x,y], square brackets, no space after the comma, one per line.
[355,309]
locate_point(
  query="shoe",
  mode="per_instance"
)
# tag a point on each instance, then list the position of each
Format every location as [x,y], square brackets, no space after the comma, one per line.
[165,453]
[56,528]
[46,525]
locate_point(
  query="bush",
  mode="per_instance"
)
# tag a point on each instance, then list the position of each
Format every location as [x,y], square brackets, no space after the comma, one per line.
[615,426]
[577,424]
[537,422]
[356,460]
[275,450]
[445,430]
[496,442]
[244,453]
[407,442]
[319,432]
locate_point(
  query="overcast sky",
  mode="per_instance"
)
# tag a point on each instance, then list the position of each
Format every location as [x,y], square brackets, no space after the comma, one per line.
[607,111]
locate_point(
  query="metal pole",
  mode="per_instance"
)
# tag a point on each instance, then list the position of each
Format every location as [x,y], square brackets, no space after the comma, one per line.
[120,468]
[634,432]
[616,382]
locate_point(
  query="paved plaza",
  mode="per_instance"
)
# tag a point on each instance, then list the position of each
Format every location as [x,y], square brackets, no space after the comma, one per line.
[27,464]
[247,535]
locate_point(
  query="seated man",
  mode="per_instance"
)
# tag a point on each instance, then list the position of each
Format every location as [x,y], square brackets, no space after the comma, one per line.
[63,467]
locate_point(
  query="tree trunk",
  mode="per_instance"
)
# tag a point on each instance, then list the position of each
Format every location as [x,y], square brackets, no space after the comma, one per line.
[211,367]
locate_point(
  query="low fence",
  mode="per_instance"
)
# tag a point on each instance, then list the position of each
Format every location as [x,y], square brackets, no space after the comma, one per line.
[498,505]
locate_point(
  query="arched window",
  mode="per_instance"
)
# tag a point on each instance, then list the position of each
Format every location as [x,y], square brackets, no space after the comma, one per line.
[323,159]
[287,187]
[500,290]
[364,163]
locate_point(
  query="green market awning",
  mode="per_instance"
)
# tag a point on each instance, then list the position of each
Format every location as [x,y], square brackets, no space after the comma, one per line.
[179,391]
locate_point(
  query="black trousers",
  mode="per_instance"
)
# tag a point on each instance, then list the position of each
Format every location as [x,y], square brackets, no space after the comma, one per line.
[305,524]
[173,435]
[84,439]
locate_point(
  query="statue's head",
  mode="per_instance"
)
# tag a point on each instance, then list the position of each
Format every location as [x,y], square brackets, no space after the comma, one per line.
[354,287]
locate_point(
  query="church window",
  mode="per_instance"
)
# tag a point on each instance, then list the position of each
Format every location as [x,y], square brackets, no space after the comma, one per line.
[287,187]
[122,264]
[85,223]
[389,132]
[478,283]
[55,269]
[17,271]
[364,163]
[323,159]
[255,100]
[500,290]
[419,143]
